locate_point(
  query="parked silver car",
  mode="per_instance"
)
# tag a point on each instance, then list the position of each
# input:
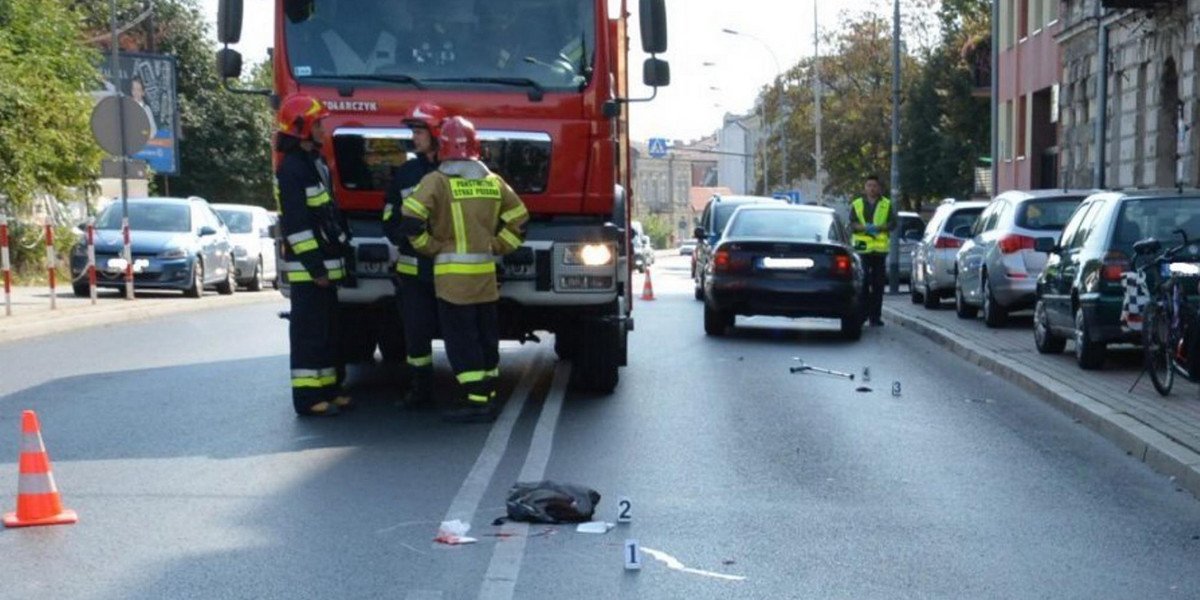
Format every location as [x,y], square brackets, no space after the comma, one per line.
[253,246]
[997,268]
[909,226]
[932,272]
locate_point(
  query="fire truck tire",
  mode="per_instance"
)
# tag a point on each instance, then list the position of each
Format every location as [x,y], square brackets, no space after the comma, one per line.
[391,334]
[597,368]
[566,342]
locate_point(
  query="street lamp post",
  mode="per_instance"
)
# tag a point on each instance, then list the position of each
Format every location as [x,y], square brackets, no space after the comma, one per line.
[818,155]
[894,249]
[783,104]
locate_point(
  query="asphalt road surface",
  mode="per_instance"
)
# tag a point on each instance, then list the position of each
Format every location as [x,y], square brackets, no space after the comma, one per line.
[176,443]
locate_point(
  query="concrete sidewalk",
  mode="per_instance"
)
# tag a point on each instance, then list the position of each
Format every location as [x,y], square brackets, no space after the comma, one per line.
[32,316]
[1162,432]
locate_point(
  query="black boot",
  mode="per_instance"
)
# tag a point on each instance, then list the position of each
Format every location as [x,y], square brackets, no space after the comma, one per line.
[420,393]
[476,407]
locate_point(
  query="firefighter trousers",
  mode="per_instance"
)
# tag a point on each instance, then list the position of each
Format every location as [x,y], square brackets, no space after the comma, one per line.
[419,312]
[314,335]
[472,336]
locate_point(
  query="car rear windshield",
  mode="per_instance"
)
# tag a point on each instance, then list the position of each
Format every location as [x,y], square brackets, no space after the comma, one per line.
[908,224]
[148,217]
[722,212]
[964,217]
[1157,218]
[792,225]
[238,221]
[1049,214]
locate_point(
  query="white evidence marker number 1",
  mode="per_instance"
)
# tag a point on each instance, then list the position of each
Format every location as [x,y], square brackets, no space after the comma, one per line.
[633,556]
[624,510]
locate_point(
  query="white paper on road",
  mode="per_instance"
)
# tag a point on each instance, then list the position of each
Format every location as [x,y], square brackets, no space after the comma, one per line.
[674,564]
[454,533]
[594,527]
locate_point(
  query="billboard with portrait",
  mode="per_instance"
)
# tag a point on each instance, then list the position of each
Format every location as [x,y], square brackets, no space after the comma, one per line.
[150,80]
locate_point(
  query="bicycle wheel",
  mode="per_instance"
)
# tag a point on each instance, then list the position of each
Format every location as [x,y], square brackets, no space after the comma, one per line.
[1156,336]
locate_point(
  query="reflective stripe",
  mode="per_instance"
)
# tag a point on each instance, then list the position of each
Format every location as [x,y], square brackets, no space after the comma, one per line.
[471,376]
[319,200]
[493,373]
[408,260]
[32,442]
[305,246]
[35,483]
[472,189]
[510,238]
[387,212]
[513,213]
[460,228]
[453,269]
[410,191]
[421,361]
[314,382]
[407,265]
[301,236]
[306,277]
[477,398]
[315,190]
[416,207]
[291,265]
[477,258]
[420,241]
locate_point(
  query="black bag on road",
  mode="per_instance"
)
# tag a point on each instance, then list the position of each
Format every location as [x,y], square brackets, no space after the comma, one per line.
[551,502]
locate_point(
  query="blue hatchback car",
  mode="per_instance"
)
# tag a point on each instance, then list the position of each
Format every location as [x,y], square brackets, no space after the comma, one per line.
[176,244]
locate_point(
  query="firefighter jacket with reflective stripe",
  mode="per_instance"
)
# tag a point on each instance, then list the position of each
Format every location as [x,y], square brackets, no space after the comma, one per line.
[471,216]
[865,242]
[314,232]
[405,179]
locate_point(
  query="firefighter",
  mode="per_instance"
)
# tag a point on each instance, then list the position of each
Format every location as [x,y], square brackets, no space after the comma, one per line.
[464,216]
[316,239]
[414,271]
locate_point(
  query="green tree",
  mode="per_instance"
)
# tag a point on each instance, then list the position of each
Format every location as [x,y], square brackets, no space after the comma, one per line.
[224,147]
[46,143]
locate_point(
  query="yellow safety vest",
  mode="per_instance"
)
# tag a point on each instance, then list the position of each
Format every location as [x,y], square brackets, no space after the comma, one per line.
[872,244]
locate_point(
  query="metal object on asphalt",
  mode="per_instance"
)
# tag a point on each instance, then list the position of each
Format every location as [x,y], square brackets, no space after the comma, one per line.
[896,389]
[862,389]
[803,368]
[866,374]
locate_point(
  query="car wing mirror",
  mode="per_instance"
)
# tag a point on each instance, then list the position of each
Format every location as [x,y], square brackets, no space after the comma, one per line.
[1147,246]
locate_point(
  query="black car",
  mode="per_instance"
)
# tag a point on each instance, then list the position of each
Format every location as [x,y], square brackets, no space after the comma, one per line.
[708,233]
[787,261]
[1082,288]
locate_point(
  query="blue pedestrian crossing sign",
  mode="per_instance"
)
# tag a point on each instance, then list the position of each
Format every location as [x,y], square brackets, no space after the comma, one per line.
[657,147]
[792,196]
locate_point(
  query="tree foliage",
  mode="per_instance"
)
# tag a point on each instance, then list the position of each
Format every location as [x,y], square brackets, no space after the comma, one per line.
[46,143]
[224,147]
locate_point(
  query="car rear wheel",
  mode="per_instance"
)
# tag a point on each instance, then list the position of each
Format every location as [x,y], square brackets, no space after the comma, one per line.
[931,300]
[197,288]
[256,283]
[961,308]
[1045,339]
[1088,353]
[716,322]
[229,284]
[994,315]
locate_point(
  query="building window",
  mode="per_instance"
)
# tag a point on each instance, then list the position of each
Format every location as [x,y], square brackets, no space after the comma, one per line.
[1021,127]
[1022,19]
[1006,131]
[1006,37]
[1051,9]
[1037,15]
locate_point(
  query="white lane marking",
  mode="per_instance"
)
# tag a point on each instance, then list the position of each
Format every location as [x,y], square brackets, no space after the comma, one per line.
[467,500]
[674,564]
[500,582]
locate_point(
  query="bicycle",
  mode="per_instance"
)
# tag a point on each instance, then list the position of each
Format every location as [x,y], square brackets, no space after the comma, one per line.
[1171,328]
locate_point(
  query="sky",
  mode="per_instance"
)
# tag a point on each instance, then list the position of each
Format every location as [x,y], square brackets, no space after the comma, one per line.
[687,109]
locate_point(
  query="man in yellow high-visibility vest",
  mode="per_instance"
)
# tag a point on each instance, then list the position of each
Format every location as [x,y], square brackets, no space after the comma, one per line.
[871,219]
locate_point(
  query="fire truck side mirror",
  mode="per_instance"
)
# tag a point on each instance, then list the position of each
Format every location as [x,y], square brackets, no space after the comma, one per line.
[653,17]
[229,63]
[656,73]
[229,21]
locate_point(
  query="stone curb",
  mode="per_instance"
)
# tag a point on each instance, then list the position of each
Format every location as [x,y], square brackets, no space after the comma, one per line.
[1141,441]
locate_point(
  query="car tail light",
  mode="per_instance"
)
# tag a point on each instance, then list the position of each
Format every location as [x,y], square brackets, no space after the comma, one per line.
[1115,266]
[945,242]
[1010,244]
[721,261]
[842,265]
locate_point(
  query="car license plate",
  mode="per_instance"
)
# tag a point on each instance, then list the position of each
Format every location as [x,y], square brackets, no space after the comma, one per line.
[791,264]
[117,265]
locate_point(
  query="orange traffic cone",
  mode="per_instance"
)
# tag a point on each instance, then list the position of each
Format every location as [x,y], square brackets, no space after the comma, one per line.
[38,502]
[648,287]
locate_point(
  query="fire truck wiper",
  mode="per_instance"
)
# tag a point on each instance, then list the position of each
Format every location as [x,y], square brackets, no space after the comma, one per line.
[397,78]
[536,91]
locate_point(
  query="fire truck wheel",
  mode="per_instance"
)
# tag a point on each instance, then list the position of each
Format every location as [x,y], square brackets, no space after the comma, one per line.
[598,367]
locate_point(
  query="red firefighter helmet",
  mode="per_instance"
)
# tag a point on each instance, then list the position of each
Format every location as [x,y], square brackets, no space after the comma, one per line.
[457,140]
[298,113]
[427,115]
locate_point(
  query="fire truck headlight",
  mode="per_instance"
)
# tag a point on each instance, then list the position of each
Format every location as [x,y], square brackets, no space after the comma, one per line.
[589,255]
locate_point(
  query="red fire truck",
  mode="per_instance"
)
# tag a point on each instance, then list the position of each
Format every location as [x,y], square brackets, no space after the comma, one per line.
[545,81]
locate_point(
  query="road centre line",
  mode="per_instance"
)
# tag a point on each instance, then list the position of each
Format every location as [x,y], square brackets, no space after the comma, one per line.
[500,582]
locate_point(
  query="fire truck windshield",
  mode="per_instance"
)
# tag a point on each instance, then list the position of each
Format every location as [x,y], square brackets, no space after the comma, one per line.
[459,42]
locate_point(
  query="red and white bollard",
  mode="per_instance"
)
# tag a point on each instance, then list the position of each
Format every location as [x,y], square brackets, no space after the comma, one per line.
[91,255]
[51,263]
[128,259]
[5,266]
